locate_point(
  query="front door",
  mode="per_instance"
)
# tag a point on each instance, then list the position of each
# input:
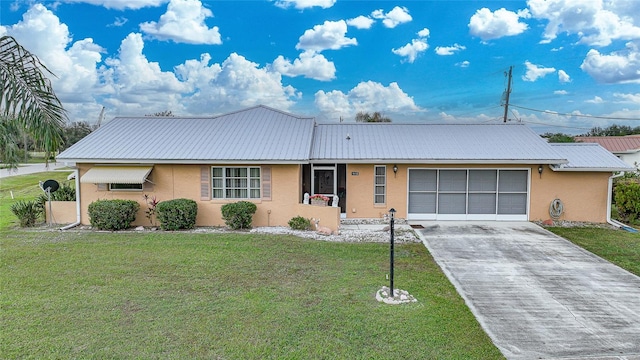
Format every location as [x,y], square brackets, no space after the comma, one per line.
[324,180]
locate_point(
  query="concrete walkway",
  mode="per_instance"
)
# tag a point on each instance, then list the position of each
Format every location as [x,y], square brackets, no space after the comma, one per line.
[537,295]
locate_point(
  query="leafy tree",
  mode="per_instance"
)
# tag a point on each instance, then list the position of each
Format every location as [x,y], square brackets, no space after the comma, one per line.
[75,131]
[613,130]
[166,113]
[27,103]
[375,117]
[558,138]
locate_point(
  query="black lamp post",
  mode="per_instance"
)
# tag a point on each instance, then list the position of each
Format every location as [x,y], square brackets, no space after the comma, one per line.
[392,211]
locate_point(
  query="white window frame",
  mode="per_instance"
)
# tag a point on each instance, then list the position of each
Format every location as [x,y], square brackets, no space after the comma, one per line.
[253,184]
[376,185]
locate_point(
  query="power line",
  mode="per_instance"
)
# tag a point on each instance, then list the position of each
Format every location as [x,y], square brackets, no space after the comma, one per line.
[576,115]
[553,125]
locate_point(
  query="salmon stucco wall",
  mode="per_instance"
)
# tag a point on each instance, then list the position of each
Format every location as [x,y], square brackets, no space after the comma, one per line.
[62,212]
[584,194]
[184,181]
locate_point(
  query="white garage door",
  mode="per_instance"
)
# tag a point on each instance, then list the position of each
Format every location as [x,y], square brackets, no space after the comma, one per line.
[468,194]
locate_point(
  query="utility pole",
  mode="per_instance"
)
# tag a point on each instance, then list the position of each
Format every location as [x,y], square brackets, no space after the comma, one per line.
[506,103]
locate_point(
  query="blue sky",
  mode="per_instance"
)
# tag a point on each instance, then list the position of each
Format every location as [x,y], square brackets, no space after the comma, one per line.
[576,64]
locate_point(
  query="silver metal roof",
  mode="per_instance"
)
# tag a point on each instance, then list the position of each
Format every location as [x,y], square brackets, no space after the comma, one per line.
[446,143]
[257,134]
[588,157]
[264,135]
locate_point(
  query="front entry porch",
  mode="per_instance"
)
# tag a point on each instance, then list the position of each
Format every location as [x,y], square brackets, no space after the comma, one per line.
[328,180]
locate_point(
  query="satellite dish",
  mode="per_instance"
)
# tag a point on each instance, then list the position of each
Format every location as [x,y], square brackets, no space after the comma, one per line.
[50,185]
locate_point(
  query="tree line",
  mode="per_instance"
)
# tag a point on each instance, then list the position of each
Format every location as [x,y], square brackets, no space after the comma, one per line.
[612,130]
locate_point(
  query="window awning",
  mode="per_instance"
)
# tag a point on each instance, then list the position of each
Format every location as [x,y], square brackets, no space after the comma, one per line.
[116,175]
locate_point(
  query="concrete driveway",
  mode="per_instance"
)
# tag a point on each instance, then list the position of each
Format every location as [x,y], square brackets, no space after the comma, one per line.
[537,295]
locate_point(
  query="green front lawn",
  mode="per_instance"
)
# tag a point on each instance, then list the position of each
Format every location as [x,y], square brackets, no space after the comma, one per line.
[224,296]
[23,187]
[617,246]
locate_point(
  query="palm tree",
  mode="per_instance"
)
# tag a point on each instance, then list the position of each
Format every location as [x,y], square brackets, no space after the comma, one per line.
[28,103]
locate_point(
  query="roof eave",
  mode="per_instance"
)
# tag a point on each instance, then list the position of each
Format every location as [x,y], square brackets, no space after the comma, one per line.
[179,162]
[586,169]
[631,151]
[445,161]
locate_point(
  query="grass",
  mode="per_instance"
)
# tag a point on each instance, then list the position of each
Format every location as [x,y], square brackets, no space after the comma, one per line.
[617,246]
[177,295]
[23,187]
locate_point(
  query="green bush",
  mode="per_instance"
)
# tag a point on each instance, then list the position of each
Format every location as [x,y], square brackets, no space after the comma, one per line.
[64,193]
[238,215]
[627,200]
[113,214]
[177,214]
[27,212]
[300,223]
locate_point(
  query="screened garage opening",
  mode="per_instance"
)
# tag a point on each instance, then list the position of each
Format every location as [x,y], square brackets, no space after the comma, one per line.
[468,194]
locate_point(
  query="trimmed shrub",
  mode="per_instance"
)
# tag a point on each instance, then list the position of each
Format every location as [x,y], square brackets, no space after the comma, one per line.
[300,223]
[177,214]
[27,212]
[238,215]
[113,214]
[627,200]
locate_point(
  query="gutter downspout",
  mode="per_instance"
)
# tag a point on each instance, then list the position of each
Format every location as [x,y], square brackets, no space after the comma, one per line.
[67,227]
[609,201]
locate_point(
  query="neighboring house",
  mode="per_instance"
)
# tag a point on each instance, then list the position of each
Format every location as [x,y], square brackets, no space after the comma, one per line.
[627,148]
[270,157]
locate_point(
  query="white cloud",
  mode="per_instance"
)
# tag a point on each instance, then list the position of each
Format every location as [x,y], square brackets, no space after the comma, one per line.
[398,15]
[412,49]
[595,100]
[560,92]
[236,83]
[121,4]
[563,77]
[534,72]
[463,64]
[184,22]
[309,64]
[489,25]
[480,118]
[41,32]
[128,83]
[415,47]
[361,22]
[595,23]
[139,84]
[424,33]
[330,35]
[449,50]
[118,22]
[366,96]
[628,98]
[304,4]
[617,67]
